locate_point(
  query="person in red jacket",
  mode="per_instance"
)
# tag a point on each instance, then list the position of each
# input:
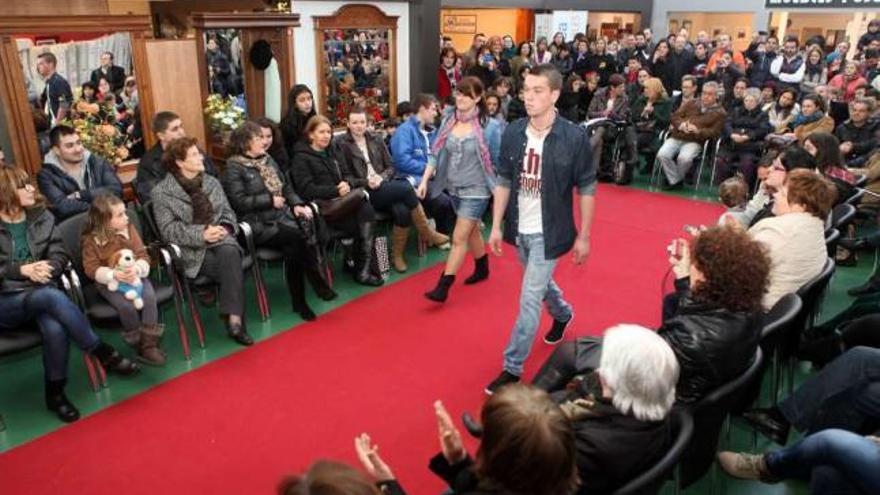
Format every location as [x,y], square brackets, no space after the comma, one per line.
[448,75]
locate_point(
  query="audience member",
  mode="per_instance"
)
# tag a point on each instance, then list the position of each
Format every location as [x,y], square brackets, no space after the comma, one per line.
[860,135]
[300,108]
[448,75]
[610,102]
[114,74]
[849,81]
[815,72]
[72,176]
[789,68]
[734,195]
[825,148]
[744,132]
[651,113]
[57,97]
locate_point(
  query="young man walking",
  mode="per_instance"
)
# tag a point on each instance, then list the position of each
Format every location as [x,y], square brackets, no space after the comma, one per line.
[543,157]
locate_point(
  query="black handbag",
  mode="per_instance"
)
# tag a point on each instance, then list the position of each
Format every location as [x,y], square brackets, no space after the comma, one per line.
[340,208]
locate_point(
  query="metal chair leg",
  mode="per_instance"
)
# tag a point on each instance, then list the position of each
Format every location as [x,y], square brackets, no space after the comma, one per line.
[93,375]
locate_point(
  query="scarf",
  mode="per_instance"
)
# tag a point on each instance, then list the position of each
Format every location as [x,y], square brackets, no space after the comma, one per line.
[802,119]
[267,172]
[203,210]
[474,119]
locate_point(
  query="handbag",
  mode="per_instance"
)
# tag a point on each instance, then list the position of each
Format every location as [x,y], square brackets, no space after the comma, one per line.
[340,208]
[379,264]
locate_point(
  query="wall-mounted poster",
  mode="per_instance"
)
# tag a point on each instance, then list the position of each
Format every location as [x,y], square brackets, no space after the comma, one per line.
[567,22]
[460,24]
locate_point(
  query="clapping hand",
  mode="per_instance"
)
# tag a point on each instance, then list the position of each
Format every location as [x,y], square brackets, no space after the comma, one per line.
[680,258]
[368,453]
[450,438]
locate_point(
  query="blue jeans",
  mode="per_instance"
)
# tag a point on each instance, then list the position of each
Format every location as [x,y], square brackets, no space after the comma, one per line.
[537,286]
[833,461]
[59,320]
[845,395]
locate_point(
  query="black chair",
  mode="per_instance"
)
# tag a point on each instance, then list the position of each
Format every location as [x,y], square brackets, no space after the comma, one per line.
[862,181]
[99,311]
[842,215]
[186,286]
[710,415]
[832,237]
[651,481]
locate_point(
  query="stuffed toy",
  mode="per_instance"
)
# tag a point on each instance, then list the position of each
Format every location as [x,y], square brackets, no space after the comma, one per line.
[121,260]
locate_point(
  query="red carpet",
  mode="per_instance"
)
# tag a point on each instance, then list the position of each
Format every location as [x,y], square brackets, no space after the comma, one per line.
[374,365]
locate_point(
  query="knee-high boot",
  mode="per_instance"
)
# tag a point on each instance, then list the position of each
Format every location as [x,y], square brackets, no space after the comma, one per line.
[316,274]
[365,250]
[398,247]
[297,288]
[431,236]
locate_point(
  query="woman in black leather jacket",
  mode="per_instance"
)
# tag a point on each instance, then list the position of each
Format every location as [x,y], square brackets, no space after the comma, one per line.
[32,258]
[318,177]
[280,219]
[712,322]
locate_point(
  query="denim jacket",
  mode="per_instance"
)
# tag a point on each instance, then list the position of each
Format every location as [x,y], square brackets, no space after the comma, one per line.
[492,135]
[567,164]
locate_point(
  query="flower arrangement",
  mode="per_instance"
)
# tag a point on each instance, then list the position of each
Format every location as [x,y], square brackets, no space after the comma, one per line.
[223,114]
[97,128]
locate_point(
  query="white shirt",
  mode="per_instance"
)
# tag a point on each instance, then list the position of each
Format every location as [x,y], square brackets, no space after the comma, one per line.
[529,196]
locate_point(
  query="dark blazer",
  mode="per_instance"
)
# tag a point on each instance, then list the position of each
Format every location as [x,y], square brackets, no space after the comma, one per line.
[252,201]
[150,171]
[56,186]
[354,164]
[115,76]
[44,241]
[315,174]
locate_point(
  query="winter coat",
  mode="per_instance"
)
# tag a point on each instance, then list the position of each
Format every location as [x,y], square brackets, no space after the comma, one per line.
[709,122]
[251,200]
[599,105]
[753,123]
[56,185]
[315,174]
[150,171]
[44,241]
[174,219]
[864,139]
[825,124]
[353,162]
[97,256]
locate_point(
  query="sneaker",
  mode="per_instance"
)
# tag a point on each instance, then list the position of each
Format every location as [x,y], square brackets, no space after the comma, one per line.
[556,332]
[505,378]
[745,466]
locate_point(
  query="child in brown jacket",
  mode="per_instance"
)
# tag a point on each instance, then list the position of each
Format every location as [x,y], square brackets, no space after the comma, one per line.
[106,233]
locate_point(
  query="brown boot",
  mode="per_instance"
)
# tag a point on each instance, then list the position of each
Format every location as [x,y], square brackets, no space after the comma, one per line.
[398,246]
[429,235]
[149,352]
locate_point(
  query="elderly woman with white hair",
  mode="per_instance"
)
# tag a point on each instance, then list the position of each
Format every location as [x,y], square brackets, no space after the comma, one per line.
[744,131]
[619,412]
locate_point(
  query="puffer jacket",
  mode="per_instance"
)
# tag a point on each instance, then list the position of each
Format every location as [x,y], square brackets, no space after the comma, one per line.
[753,123]
[713,345]
[57,186]
[315,174]
[44,241]
[252,201]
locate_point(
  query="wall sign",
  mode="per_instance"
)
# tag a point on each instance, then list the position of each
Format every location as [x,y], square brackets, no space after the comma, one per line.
[821,4]
[460,24]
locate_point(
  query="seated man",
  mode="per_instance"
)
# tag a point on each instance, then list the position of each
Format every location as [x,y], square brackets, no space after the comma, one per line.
[692,124]
[72,177]
[844,395]
[167,126]
[410,147]
[611,103]
[858,135]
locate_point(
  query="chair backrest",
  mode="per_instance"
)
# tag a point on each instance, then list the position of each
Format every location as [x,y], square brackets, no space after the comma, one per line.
[832,236]
[709,415]
[855,197]
[781,315]
[861,181]
[842,215]
[811,292]
[650,482]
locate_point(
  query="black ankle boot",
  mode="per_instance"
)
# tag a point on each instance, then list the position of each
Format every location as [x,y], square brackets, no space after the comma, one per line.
[114,362]
[296,286]
[481,270]
[441,292]
[58,403]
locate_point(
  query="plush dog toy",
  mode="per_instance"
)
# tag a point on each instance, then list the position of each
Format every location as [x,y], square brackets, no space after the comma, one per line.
[121,260]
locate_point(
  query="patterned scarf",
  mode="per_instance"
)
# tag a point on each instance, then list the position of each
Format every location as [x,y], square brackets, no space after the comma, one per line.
[203,210]
[472,118]
[267,172]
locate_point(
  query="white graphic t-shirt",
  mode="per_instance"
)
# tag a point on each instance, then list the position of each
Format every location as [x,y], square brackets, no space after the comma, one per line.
[529,198]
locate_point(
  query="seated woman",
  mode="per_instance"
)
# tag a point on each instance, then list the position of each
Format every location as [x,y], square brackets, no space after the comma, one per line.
[712,322]
[366,163]
[744,131]
[829,160]
[274,143]
[811,119]
[783,112]
[261,196]
[317,176]
[192,212]
[795,235]
[32,258]
[831,461]
[527,447]
[651,113]
[620,411]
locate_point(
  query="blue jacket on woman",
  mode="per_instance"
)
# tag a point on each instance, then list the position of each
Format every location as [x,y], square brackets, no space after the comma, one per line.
[566,164]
